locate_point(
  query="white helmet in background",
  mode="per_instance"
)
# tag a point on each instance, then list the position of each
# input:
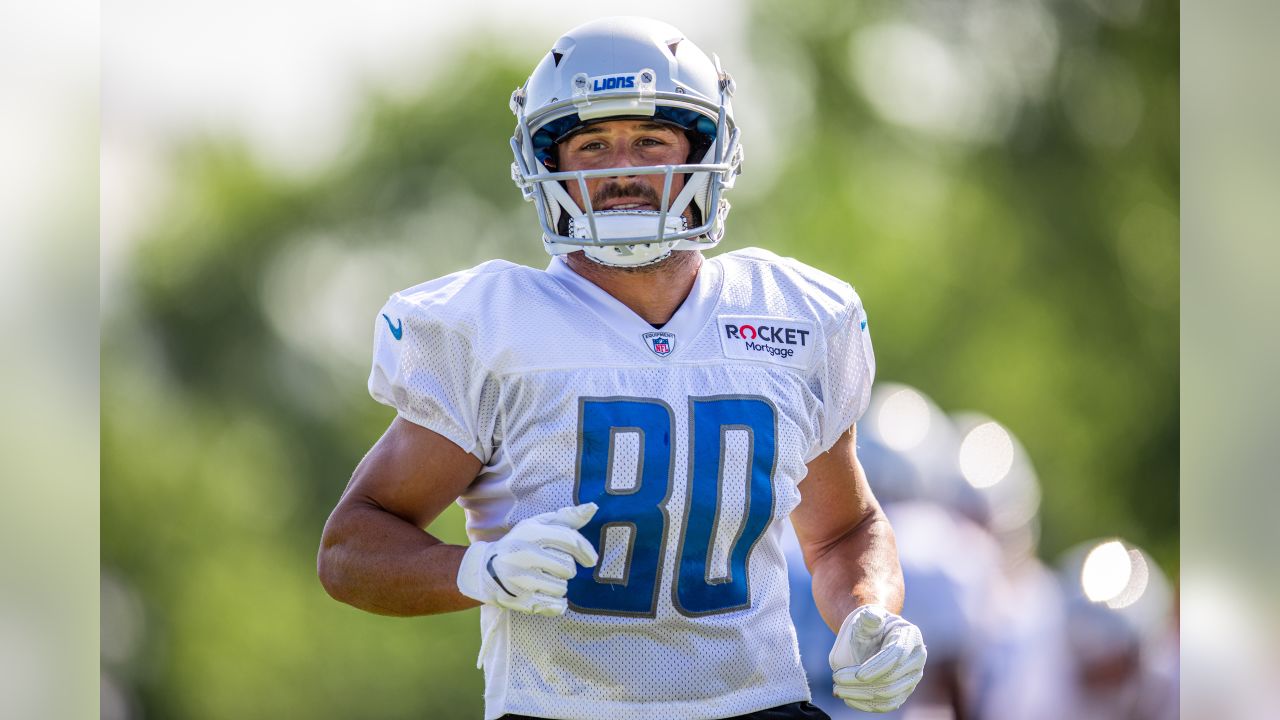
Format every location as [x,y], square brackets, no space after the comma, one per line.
[1000,473]
[618,68]
[909,448]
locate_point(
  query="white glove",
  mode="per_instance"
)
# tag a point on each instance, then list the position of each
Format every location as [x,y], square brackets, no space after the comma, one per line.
[877,660]
[528,570]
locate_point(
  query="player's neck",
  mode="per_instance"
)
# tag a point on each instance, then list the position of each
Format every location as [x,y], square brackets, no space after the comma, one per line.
[653,292]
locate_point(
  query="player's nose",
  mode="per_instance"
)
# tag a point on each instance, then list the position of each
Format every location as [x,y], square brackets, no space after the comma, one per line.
[626,157]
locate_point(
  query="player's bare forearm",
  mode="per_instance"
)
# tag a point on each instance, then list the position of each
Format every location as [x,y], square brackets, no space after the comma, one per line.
[374,553]
[375,561]
[859,568]
[848,545]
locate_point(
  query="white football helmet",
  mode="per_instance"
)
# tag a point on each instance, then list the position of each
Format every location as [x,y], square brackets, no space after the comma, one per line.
[627,67]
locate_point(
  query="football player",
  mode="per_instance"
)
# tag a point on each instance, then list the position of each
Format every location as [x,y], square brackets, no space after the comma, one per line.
[628,429]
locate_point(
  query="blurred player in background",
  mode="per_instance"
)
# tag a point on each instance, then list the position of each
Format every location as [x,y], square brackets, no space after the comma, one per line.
[1009,638]
[1123,643]
[628,430]
[950,564]
[1023,668]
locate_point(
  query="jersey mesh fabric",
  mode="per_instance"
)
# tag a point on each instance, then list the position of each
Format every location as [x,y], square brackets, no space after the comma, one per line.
[423,364]
[844,370]
[593,665]
[517,357]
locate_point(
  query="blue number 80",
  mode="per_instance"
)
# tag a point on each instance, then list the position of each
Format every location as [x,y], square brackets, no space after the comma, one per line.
[642,508]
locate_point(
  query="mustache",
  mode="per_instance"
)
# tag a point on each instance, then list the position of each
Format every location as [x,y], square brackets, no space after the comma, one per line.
[619,190]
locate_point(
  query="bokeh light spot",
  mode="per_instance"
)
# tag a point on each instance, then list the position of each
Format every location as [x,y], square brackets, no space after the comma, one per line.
[1139,575]
[908,76]
[986,455]
[1103,99]
[904,420]
[1106,572]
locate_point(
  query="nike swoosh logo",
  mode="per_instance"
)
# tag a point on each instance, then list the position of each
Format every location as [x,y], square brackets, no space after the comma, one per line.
[494,574]
[398,329]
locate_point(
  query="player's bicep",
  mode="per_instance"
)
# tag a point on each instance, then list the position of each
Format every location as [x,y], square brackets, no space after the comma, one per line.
[411,472]
[834,499]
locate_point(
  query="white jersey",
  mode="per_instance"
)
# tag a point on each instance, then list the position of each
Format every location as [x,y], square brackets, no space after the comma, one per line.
[691,439]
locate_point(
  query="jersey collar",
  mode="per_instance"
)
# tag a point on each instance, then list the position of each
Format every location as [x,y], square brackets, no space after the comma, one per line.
[688,320]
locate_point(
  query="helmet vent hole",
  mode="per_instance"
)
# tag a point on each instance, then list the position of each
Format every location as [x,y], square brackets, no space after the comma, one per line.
[556,56]
[672,46]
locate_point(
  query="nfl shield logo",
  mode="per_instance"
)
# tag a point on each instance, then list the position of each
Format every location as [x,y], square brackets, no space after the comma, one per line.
[661,343]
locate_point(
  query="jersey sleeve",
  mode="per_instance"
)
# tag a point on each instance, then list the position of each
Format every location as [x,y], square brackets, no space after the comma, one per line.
[425,368]
[847,371]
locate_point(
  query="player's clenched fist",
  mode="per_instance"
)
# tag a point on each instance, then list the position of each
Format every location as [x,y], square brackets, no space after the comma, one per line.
[528,570]
[877,660]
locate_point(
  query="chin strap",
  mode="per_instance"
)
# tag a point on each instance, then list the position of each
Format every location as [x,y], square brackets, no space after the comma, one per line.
[617,224]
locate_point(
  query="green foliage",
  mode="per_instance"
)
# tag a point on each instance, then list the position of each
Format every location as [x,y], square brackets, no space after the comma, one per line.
[1032,277]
